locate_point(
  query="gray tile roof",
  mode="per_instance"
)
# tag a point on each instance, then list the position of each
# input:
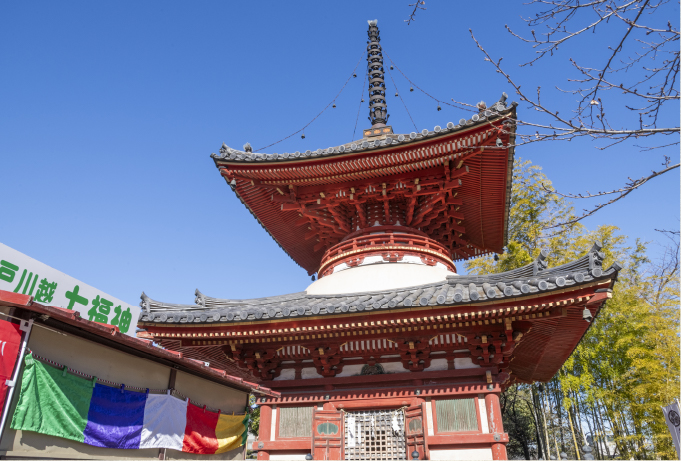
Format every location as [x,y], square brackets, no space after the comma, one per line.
[525,281]
[498,109]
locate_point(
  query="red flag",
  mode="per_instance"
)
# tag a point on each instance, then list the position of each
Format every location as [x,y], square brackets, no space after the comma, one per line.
[10,340]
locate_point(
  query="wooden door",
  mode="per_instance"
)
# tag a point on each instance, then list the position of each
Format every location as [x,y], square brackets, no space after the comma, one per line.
[416,431]
[327,434]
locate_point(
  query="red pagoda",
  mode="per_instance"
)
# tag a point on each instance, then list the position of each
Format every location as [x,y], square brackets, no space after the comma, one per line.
[389,354]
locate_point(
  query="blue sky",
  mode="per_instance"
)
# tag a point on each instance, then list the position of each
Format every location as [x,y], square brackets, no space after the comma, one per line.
[109,112]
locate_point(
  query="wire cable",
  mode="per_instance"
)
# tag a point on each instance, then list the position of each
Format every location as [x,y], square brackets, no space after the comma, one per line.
[459,106]
[359,109]
[403,103]
[323,110]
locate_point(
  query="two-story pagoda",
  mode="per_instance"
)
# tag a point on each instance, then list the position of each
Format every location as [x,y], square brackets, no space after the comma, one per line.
[389,352]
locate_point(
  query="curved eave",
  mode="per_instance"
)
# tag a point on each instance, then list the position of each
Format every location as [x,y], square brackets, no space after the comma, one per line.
[233,157]
[298,306]
[491,170]
[551,342]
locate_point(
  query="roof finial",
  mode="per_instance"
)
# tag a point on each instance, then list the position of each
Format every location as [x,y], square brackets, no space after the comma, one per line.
[378,109]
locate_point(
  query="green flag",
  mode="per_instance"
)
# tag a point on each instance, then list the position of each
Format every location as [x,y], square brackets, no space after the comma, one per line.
[52,402]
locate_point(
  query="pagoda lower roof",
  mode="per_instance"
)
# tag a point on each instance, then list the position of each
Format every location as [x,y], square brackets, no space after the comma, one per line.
[530,281]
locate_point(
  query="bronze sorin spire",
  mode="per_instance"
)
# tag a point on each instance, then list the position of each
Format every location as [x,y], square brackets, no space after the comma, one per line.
[378,109]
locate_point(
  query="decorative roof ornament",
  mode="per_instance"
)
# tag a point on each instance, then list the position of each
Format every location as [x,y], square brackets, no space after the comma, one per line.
[247,147]
[378,108]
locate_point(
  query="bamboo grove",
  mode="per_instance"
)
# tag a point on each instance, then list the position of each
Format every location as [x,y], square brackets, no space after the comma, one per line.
[609,392]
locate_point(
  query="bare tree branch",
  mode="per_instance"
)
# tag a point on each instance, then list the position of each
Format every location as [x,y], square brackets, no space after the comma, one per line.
[617,50]
[637,80]
[668,231]
[648,149]
[662,78]
[623,192]
[566,129]
[417,6]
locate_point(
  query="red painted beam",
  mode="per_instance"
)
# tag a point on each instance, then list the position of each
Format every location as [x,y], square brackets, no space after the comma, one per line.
[375,379]
[283,444]
[464,438]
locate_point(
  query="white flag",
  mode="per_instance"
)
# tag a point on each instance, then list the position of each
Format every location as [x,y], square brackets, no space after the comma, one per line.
[396,426]
[673,420]
[352,429]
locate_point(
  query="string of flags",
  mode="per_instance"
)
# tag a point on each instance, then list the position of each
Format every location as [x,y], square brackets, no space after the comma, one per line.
[174,392]
[82,408]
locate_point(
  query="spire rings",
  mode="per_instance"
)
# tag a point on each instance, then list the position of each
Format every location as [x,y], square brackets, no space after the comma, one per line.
[378,112]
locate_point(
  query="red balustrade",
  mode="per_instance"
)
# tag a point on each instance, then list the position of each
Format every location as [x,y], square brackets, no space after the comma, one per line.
[393,245]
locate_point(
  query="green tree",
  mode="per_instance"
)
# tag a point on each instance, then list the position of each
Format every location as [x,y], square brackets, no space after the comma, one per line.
[626,366]
[254,421]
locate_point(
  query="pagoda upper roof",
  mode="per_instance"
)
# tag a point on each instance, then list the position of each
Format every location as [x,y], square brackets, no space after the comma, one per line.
[498,109]
[525,282]
[304,200]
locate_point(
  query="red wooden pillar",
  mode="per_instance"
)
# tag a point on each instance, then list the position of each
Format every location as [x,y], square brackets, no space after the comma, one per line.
[264,431]
[496,426]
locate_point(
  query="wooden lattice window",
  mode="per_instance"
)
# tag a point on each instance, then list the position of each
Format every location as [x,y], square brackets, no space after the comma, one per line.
[295,422]
[375,435]
[456,415]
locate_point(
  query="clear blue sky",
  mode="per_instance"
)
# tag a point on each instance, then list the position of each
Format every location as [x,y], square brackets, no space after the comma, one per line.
[109,112]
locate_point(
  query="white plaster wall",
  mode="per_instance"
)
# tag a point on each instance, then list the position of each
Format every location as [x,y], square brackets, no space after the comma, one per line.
[340,267]
[286,373]
[462,454]
[429,416]
[350,370]
[393,367]
[372,260]
[466,362]
[273,423]
[483,414]
[353,370]
[309,373]
[211,394]
[290,457]
[377,277]
[437,364]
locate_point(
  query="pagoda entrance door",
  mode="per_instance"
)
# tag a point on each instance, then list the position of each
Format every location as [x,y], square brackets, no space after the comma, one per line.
[327,434]
[375,434]
[415,427]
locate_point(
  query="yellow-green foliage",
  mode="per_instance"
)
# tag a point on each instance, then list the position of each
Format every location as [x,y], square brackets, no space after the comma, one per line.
[627,365]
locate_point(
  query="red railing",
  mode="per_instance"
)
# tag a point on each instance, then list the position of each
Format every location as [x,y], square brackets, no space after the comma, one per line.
[385,241]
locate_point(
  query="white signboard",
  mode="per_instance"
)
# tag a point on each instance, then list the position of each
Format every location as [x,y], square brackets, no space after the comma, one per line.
[22,274]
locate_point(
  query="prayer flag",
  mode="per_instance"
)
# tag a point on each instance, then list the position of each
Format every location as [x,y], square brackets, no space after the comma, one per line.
[165,418]
[57,403]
